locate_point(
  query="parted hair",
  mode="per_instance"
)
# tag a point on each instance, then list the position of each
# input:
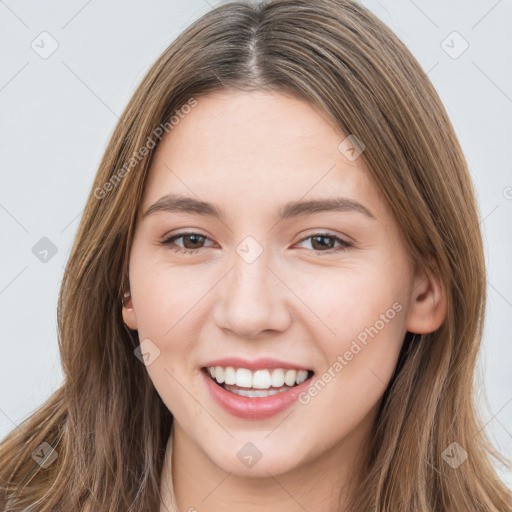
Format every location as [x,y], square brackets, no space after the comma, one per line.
[106,421]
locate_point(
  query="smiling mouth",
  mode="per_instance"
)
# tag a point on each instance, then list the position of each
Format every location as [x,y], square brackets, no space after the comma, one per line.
[256,383]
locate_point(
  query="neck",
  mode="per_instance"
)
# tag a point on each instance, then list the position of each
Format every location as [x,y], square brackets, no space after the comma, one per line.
[196,484]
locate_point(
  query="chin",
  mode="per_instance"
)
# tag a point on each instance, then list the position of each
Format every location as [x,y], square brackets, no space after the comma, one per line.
[258,458]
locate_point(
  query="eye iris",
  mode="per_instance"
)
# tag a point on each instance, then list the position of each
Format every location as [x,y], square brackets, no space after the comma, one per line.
[197,238]
[323,244]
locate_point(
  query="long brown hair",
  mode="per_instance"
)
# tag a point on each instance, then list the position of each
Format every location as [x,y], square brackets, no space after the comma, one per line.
[106,423]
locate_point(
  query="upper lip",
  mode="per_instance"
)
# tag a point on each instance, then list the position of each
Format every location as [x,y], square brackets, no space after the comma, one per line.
[254,364]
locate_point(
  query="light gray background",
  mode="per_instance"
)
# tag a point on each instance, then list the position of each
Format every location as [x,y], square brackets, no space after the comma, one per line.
[57,114]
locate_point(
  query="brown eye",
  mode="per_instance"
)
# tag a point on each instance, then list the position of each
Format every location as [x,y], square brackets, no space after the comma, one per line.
[322,242]
[195,241]
[325,243]
[192,242]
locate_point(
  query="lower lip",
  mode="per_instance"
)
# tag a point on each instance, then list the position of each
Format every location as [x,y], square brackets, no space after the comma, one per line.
[256,408]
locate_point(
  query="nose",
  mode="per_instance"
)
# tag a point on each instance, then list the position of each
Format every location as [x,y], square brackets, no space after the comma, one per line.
[251,299]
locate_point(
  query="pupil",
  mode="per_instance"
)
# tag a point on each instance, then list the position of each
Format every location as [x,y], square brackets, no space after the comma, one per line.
[188,237]
[323,238]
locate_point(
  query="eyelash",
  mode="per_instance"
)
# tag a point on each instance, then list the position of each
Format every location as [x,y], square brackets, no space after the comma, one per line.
[344,244]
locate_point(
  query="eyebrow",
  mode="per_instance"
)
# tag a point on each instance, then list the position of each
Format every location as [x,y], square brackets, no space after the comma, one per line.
[177,203]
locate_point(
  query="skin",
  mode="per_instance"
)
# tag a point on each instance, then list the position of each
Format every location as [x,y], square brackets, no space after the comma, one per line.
[249,153]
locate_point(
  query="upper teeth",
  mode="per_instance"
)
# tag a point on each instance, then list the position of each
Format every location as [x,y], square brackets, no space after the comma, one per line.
[258,379]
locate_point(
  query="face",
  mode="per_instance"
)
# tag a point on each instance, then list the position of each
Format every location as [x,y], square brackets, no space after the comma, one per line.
[263,288]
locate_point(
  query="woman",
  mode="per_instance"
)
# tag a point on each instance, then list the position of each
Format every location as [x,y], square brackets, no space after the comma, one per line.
[276,295]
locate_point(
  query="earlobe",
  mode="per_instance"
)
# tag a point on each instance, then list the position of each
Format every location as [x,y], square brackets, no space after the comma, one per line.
[428,304]
[129,317]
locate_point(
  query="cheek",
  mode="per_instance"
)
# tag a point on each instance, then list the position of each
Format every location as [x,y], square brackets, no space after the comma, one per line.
[169,304]
[167,299]
[367,312]
[352,299]
[359,364]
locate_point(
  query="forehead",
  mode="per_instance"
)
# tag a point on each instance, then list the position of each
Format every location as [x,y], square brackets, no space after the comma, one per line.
[255,148]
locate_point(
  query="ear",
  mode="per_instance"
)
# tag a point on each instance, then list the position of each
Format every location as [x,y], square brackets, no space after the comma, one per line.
[129,317]
[428,305]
